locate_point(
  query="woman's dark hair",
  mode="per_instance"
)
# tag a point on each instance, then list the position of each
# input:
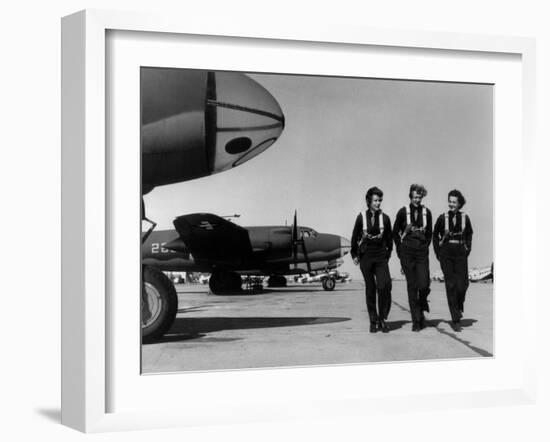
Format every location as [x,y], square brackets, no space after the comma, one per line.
[371,192]
[418,188]
[458,194]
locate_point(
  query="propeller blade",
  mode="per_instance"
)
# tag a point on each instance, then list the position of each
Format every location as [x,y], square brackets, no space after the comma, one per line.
[306,256]
[294,239]
[298,240]
[295,227]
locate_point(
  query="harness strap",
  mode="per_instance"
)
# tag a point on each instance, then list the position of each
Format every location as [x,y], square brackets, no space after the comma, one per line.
[462,221]
[380,226]
[409,222]
[464,218]
[424,217]
[448,232]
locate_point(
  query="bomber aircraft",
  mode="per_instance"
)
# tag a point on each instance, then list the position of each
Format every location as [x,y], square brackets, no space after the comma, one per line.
[194,123]
[204,242]
[324,277]
[474,275]
[482,274]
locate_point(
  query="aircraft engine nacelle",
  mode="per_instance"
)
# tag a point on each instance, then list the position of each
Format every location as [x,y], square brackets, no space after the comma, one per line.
[196,123]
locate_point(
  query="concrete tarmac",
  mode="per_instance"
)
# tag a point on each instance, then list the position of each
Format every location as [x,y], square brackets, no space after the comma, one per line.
[304,325]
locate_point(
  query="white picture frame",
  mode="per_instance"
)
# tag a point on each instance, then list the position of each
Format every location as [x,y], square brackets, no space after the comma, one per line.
[86,317]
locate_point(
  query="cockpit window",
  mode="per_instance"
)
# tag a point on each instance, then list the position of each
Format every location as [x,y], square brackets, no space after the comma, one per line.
[309,233]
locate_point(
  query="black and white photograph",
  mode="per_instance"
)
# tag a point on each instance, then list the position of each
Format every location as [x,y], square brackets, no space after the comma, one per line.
[301,220]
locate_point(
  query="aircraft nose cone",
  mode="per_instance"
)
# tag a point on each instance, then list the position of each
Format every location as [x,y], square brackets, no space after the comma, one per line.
[345,245]
[248,120]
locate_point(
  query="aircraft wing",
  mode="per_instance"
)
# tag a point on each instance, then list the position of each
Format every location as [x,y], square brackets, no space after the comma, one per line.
[213,239]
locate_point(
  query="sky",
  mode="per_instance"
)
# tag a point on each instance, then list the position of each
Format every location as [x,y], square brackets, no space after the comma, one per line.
[344,135]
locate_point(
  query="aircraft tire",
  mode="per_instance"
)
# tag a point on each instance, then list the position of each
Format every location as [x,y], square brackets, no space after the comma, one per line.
[215,283]
[224,283]
[329,284]
[163,304]
[276,281]
[236,282]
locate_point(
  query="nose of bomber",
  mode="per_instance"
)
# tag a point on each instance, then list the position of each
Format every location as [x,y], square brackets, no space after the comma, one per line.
[345,246]
[247,117]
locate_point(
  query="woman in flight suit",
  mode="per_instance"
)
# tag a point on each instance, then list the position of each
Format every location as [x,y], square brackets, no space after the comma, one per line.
[412,232]
[371,247]
[452,244]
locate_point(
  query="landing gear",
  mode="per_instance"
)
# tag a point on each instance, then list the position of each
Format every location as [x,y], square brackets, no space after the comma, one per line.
[329,284]
[276,281]
[222,283]
[159,304]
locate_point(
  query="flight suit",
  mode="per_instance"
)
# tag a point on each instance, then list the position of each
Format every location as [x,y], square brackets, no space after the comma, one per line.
[412,233]
[452,244]
[373,246]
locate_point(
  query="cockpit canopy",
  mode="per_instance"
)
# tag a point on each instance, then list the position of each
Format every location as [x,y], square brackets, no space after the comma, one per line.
[308,232]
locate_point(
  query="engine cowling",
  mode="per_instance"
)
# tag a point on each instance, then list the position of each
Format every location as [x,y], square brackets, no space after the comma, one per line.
[196,123]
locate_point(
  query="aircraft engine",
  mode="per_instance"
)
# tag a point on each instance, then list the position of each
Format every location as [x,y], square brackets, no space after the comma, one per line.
[196,123]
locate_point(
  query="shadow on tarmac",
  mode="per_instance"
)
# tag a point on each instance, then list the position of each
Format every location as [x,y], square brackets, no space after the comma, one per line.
[464,323]
[456,337]
[197,308]
[180,337]
[193,328]
[396,325]
[280,291]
